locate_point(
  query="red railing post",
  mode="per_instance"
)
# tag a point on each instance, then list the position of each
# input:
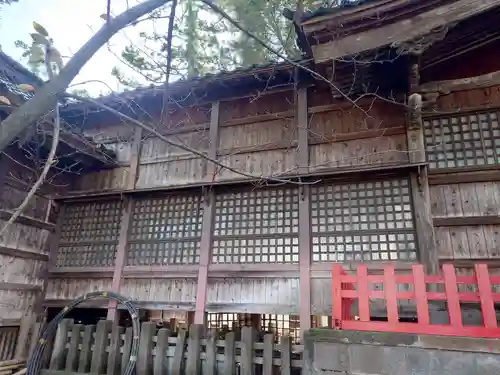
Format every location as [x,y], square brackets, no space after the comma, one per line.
[420,289]
[337,303]
[485,296]
[453,302]
[390,294]
[342,293]
[363,297]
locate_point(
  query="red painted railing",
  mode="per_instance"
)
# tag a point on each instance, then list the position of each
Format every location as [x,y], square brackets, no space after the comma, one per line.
[348,288]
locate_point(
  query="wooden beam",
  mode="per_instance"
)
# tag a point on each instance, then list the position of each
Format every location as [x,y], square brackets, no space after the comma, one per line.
[462,178]
[401,31]
[207,223]
[24,254]
[26,220]
[213,144]
[121,248]
[466,221]
[336,172]
[302,121]
[462,84]
[419,180]
[20,287]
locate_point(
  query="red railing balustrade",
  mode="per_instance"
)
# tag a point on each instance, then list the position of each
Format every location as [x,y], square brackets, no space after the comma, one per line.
[347,288]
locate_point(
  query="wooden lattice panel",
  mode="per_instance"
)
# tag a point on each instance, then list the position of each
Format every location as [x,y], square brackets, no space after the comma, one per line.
[460,141]
[165,230]
[89,234]
[256,226]
[365,221]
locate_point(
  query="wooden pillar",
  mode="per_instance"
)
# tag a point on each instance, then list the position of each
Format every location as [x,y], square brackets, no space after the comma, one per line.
[302,121]
[207,224]
[121,248]
[419,179]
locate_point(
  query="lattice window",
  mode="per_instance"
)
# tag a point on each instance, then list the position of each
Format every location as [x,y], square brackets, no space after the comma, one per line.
[89,234]
[282,325]
[460,141]
[228,321]
[366,221]
[165,230]
[256,226]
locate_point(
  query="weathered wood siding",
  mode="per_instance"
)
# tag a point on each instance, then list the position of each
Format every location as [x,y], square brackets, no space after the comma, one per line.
[341,136]
[460,143]
[471,200]
[257,136]
[24,248]
[266,295]
[16,304]
[70,289]
[170,293]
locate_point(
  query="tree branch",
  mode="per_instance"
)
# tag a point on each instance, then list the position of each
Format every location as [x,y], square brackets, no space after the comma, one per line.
[45,98]
[169,59]
[41,178]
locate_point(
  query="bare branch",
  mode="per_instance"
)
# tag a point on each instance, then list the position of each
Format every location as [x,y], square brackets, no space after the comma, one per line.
[45,98]
[184,147]
[41,178]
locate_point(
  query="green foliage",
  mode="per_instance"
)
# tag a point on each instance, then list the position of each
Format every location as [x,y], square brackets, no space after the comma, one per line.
[204,42]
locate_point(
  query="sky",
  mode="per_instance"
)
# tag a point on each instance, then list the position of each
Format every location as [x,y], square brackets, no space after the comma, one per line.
[70,23]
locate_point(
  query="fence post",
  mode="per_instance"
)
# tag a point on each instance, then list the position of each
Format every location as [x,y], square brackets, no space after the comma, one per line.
[99,359]
[160,363]
[390,294]
[229,354]
[58,357]
[127,346]
[452,300]
[74,343]
[193,364]
[179,353]
[25,329]
[485,296]
[286,349]
[336,295]
[114,350]
[86,352]
[420,288]
[247,338]
[211,353]
[145,357]
[267,365]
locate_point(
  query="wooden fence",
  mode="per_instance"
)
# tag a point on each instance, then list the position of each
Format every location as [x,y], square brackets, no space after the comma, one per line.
[105,349]
[343,294]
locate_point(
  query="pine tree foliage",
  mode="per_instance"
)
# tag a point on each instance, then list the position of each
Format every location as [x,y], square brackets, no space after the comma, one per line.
[204,42]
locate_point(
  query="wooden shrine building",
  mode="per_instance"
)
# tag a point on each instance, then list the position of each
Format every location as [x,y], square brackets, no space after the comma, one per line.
[385,148]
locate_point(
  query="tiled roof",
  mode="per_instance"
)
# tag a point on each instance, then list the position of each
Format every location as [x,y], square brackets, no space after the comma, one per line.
[322,11]
[13,73]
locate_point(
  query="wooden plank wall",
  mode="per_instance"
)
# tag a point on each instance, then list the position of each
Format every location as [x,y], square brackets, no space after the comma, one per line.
[264,296]
[465,199]
[343,136]
[257,135]
[24,247]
